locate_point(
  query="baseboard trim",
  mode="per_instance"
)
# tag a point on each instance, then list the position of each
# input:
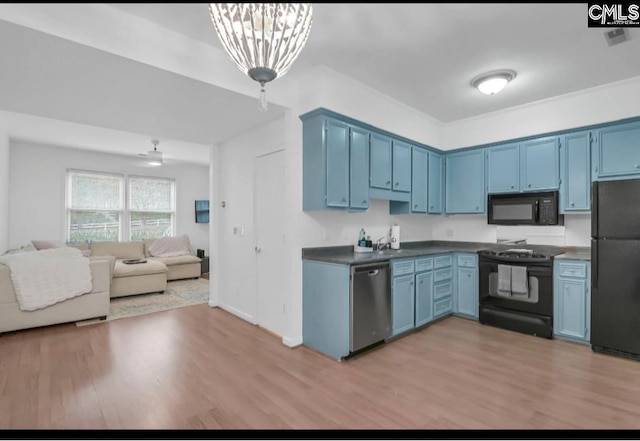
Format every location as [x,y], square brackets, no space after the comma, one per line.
[237,313]
[292,342]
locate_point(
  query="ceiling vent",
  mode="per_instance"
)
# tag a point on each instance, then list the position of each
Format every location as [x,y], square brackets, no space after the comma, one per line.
[616,36]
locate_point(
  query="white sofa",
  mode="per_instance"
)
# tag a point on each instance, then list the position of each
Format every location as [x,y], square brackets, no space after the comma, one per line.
[86,306]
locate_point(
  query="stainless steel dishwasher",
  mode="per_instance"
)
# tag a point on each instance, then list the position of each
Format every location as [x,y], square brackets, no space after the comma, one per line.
[370,302]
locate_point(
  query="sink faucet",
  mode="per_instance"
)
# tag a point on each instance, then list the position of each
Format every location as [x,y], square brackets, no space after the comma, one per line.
[378,243]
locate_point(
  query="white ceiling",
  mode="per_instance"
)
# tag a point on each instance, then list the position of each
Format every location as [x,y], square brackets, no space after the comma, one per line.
[421,54]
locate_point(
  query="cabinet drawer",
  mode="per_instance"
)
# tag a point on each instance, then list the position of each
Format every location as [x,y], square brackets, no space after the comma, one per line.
[442,290]
[442,274]
[442,261]
[442,307]
[573,269]
[425,264]
[402,267]
[467,261]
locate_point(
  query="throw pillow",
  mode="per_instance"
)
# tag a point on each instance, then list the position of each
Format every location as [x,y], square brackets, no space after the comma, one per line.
[47,244]
[171,246]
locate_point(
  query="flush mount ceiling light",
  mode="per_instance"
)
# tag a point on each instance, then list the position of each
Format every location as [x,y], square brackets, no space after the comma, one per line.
[493,82]
[154,157]
[262,39]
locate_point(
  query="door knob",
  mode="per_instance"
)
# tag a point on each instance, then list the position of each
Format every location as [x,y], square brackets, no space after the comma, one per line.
[258,250]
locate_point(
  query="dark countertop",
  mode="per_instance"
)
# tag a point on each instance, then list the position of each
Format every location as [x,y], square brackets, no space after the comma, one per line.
[344,255]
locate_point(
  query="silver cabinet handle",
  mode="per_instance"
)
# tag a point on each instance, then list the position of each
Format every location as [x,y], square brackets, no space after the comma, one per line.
[431,208]
[258,250]
[637,166]
[415,206]
[397,183]
[529,185]
[344,199]
[477,208]
[388,182]
[512,187]
[572,204]
[364,201]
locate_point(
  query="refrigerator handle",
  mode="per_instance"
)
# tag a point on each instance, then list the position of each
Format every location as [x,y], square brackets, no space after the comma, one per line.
[594,209]
[594,265]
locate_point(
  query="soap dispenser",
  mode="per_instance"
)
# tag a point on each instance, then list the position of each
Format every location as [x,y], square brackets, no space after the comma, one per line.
[362,241]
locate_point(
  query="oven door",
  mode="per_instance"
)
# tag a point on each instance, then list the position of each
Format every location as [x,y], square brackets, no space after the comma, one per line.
[531,313]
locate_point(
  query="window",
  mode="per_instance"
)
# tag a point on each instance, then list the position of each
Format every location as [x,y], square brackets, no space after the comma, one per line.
[95,206]
[97,209]
[152,207]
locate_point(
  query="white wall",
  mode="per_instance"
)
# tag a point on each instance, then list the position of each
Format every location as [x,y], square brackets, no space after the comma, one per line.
[237,273]
[602,104]
[37,197]
[4,191]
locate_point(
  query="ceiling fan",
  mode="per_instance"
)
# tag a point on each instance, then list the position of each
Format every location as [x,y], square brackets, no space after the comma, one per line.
[154,157]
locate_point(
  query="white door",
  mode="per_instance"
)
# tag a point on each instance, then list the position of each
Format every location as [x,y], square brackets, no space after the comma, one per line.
[270,241]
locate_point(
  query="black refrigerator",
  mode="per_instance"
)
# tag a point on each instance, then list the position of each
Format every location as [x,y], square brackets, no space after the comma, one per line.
[615,267]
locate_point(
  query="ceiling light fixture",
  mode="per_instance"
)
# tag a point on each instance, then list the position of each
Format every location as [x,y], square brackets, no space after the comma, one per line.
[262,39]
[493,82]
[154,156]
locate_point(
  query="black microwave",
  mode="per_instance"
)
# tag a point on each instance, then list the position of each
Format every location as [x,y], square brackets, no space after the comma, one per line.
[524,209]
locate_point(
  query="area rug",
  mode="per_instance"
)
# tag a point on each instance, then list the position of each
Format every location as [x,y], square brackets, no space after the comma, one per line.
[179,293]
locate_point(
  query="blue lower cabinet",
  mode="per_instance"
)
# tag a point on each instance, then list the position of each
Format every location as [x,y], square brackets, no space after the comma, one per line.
[572,300]
[403,306]
[325,307]
[466,290]
[442,285]
[424,298]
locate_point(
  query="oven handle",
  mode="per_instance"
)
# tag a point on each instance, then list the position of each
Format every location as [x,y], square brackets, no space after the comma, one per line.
[537,211]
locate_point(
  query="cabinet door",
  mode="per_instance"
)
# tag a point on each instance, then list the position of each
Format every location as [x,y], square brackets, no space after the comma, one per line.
[401,166]
[403,304]
[419,181]
[503,168]
[465,187]
[540,164]
[571,306]
[468,292]
[618,150]
[435,183]
[337,144]
[575,188]
[380,170]
[359,166]
[424,298]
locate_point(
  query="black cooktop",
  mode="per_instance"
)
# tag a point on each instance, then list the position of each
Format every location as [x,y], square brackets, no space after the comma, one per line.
[520,253]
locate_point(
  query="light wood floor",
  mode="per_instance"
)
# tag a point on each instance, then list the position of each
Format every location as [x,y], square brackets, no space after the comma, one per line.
[202,368]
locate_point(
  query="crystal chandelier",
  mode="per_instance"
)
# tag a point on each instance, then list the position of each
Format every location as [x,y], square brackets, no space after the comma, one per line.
[262,39]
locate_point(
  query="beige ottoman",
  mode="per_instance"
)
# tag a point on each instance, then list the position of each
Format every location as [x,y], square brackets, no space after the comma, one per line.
[139,278]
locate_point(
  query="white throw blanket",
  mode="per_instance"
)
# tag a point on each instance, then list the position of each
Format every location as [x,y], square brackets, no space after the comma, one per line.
[43,278]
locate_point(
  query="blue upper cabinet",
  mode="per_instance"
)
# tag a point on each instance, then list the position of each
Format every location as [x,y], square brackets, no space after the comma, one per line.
[503,168]
[359,168]
[617,151]
[465,184]
[419,167]
[401,166]
[337,141]
[575,172]
[532,165]
[335,161]
[435,183]
[380,162]
[540,164]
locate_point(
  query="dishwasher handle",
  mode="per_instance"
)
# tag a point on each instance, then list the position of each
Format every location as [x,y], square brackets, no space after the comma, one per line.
[372,269]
